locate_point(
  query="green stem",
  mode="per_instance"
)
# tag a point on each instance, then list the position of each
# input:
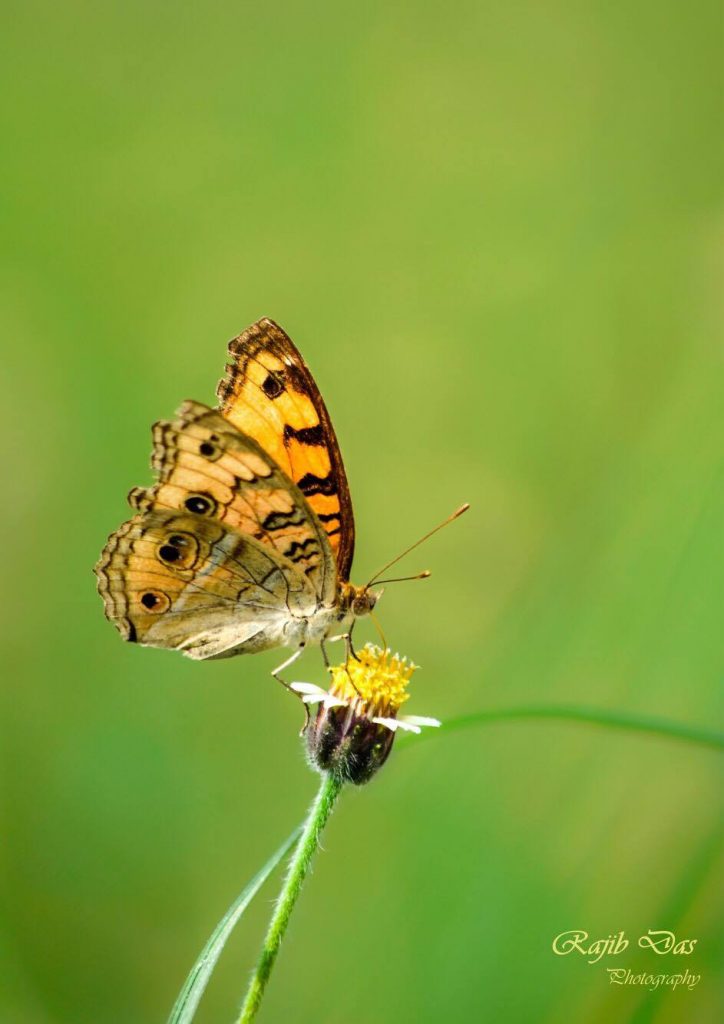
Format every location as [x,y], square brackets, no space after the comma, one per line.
[316,820]
[591,716]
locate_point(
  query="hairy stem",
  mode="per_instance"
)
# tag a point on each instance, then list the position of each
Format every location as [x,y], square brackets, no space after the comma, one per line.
[299,866]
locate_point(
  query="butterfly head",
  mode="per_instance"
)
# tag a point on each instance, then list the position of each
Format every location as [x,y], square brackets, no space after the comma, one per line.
[359,600]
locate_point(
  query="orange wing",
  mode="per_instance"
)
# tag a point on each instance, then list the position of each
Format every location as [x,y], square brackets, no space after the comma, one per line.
[206,466]
[269,394]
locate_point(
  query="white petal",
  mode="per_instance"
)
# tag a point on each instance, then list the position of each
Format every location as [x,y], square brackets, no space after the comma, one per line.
[389,723]
[334,702]
[308,688]
[396,723]
[309,693]
[421,720]
[313,694]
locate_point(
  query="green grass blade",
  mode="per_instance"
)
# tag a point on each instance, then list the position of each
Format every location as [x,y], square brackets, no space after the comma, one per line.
[188,1000]
[198,978]
[590,716]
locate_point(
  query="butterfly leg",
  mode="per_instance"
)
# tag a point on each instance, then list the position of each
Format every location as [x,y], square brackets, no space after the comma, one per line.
[284,665]
[276,674]
[347,637]
[350,645]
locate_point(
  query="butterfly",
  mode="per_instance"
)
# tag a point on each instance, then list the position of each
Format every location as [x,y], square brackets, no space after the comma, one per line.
[245,541]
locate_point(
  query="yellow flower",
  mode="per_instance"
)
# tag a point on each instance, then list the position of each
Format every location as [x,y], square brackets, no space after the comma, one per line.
[376,678]
[356,720]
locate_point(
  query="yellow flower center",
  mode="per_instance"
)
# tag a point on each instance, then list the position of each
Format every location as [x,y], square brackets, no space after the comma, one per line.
[378,681]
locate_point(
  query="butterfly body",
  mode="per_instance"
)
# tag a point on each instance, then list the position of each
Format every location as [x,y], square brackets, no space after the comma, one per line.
[245,540]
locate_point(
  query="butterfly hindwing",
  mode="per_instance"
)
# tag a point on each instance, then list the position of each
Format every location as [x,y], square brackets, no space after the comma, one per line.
[269,394]
[178,580]
[206,467]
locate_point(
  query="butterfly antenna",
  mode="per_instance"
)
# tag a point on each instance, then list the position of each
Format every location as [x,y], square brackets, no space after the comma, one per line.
[450,519]
[403,579]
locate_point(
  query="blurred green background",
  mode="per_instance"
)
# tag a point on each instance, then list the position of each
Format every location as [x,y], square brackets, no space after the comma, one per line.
[494,232]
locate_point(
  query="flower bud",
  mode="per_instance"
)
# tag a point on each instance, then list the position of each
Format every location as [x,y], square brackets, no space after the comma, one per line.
[352,732]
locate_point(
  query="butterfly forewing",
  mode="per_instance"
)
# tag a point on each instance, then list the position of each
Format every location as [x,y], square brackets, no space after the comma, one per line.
[269,394]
